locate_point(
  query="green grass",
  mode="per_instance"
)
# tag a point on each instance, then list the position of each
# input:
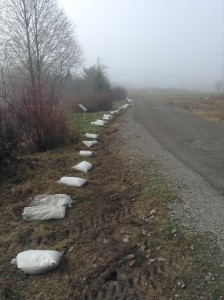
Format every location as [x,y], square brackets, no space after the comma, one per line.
[119,103]
[83,125]
[169,225]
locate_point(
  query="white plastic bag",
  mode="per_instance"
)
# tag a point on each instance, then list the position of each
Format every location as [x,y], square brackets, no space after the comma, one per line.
[91,135]
[84,166]
[99,122]
[86,153]
[37,261]
[90,143]
[52,200]
[73,181]
[107,117]
[43,213]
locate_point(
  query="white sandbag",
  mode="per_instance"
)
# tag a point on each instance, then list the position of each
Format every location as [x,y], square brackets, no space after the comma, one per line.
[114,111]
[86,153]
[73,181]
[107,117]
[129,100]
[52,200]
[37,261]
[91,135]
[90,143]
[124,106]
[84,166]
[99,123]
[43,213]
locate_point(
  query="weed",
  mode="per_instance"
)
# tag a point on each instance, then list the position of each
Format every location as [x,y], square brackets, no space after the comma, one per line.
[83,125]
[10,292]
[169,225]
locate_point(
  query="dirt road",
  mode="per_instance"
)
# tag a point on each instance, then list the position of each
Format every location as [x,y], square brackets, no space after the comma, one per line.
[190,150]
[196,142]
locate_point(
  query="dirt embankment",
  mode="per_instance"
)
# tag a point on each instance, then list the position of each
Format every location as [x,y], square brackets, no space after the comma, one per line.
[124,244]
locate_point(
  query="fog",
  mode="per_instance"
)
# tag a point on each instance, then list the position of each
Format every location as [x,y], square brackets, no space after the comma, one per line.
[164,43]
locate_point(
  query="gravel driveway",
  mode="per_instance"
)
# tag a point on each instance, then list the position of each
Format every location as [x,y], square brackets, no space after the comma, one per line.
[190,152]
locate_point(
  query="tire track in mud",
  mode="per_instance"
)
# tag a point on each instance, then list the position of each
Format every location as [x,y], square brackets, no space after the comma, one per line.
[102,220]
[136,284]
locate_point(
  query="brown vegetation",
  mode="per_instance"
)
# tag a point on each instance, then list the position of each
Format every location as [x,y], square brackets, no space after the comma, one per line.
[124,247]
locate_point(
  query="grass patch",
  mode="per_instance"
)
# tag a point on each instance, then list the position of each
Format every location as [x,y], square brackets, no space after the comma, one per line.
[117,104]
[185,257]
[10,292]
[169,225]
[217,116]
[83,125]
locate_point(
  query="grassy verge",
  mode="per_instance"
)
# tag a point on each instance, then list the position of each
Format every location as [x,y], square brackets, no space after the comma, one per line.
[192,263]
[34,174]
[119,103]
[82,124]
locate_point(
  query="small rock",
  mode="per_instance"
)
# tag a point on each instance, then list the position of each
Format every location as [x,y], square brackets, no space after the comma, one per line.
[70,249]
[132,262]
[105,241]
[181,284]
[144,231]
[126,239]
[209,277]
[148,219]
[130,256]
[161,259]
[152,212]
[142,217]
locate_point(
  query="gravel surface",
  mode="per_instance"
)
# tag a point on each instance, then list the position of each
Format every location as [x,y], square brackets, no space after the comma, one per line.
[200,207]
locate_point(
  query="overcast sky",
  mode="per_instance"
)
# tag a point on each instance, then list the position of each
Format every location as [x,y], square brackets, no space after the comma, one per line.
[165,43]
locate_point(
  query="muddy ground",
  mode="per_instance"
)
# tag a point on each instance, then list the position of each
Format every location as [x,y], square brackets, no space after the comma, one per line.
[124,244]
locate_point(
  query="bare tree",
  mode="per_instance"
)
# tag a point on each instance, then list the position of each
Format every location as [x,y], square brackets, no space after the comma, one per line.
[41,44]
[41,49]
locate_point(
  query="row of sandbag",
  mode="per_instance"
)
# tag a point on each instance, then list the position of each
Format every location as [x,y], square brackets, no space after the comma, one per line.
[83,166]
[107,117]
[52,206]
[48,207]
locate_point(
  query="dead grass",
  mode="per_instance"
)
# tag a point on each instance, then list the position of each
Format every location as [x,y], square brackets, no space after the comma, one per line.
[208,108]
[122,249]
